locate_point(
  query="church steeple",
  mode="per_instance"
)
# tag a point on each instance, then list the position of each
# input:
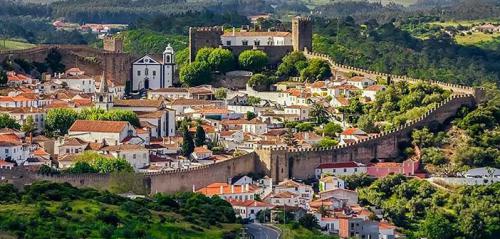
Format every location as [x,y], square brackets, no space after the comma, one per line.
[168,55]
[103,99]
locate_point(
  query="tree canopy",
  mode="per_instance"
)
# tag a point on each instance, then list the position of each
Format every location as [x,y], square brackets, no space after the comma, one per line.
[253,60]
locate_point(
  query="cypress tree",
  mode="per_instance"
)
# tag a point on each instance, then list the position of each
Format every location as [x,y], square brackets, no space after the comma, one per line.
[187,143]
[200,137]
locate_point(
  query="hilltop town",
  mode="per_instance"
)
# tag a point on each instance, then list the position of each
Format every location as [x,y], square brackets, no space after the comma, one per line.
[255,116]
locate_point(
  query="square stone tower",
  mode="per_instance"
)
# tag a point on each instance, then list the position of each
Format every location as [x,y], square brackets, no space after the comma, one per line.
[302,33]
[200,37]
[113,44]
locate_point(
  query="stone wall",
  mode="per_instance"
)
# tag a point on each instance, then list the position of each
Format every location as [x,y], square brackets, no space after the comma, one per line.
[115,65]
[274,53]
[300,163]
[184,180]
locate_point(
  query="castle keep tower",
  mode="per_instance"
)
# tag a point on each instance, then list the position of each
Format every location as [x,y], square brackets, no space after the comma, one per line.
[200,37]
[302,33]
[113,44]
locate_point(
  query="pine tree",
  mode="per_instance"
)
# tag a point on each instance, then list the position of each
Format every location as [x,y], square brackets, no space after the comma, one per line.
[200,136]
[29,126]
[289,139]
[187,143]
[3,77]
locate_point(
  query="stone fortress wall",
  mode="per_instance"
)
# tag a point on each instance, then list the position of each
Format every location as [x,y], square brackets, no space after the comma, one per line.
[115,64]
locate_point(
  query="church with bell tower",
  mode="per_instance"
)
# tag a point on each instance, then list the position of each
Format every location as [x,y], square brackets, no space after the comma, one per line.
[153,72]
[102,98]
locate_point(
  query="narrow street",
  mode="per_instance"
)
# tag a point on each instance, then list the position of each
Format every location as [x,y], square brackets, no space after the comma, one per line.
[259,231]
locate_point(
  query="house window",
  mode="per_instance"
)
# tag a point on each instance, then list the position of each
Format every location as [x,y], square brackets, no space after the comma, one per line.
[355,169]
[256,43]
[138,73]
[345,170]
[6,151]
[146,71]
[154,73]
[133,156]
[244,43]
[228,43]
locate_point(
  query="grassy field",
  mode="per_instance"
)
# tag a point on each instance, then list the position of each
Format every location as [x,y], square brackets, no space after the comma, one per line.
[455,23]
[476,38]
[14,45]
[301,233]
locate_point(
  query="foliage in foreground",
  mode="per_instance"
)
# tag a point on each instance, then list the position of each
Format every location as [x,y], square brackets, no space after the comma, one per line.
[424,211]
[51,210]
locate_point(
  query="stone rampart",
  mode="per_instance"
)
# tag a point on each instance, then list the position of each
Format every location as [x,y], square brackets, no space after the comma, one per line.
[282,163]
[116,66]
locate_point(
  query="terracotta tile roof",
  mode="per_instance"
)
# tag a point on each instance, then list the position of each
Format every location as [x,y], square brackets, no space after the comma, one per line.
[207,128]
[227,133]
[346,87]
[191,102]
[353,131]
[318,84]
[375,88]
[150,115]
[40,152]
[289,184]
[5,163]
[74,142]
[98,126]
[257,34]
[386,225]
[172,90]
[248,203]
[215,189]
[10,137]
[298,106]
[13,76]
[340,165]
[342,100]
[124,147]
[241,121]
[138,103]
[386,165]
[202,150]
[285,195]
[200,90]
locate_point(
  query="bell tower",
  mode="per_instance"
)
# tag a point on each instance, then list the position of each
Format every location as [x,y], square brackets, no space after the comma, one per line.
[103,99]
[168,67]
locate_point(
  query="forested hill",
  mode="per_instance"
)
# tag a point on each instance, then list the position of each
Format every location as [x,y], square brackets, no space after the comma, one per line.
[386,48]
[51,210]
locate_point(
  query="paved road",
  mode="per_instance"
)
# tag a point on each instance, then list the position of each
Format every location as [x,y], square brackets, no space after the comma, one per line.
[259,231]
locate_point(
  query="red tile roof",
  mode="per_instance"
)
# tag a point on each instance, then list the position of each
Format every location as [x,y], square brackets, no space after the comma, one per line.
[249,203]
[98,126]
[214,189]
[339,165]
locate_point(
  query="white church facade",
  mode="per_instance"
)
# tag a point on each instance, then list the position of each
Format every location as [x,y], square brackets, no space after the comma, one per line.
[149,72]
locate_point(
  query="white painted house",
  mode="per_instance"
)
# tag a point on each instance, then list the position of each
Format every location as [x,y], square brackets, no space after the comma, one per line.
[112,132]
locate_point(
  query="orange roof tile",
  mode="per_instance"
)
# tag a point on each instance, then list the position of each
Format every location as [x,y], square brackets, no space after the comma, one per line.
[215,189]
[98,126]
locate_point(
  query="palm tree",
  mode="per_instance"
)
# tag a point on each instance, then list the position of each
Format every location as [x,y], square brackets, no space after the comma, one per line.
[319,113]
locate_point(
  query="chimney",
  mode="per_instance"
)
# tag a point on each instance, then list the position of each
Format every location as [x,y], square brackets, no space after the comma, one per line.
[194,188]
[234,31]
[221,191]
[247,187]
[232,188]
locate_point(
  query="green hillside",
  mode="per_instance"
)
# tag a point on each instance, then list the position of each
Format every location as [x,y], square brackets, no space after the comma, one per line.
[14,45]
[50,210]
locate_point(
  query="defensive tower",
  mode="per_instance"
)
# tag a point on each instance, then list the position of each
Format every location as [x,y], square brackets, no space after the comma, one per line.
[200,37]
[302,33]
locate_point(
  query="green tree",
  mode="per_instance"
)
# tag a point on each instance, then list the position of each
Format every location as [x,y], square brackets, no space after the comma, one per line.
[187,143]
[3,77]
[259,82]
[289,138]
[29,125]
[53,60]
[196,73]
[367,124]
[7,122]
[358,180]
[200,136]
[331,129]
[309,221]
[220,93]
[251,115]
[253,60]
[304,127]
[422,138]
[317,69]
[433,156]
[252,100]
[203,54]
[82,167]
[437,226]
[221,60]
[319,113]
[60,120]
[327,142]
